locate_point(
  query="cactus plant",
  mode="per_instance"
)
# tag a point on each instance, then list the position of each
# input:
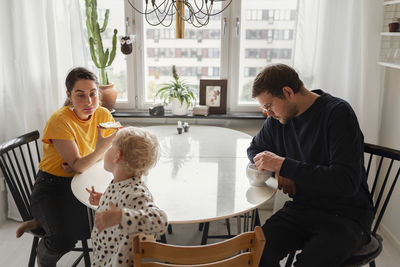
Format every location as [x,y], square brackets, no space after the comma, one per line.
[102,59]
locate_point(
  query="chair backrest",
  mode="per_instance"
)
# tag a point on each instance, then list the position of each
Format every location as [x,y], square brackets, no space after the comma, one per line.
[383,177]
[19,160]
[242,250]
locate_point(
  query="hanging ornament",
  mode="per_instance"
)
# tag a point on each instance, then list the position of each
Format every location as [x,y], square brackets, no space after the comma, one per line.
[126,45]
[126,41]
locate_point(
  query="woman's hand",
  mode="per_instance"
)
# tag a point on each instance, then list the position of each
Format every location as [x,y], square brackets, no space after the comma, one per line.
[103,143]
[94,196]
[108,218]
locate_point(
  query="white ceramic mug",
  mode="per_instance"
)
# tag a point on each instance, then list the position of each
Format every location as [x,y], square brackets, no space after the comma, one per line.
[256,177]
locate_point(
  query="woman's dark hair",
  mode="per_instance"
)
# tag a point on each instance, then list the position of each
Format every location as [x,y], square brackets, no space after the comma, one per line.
[76,74]
[273,78]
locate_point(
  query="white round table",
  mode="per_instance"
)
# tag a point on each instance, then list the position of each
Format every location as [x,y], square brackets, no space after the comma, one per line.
[200,176]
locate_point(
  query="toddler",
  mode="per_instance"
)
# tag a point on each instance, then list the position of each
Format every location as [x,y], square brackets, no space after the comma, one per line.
[126,207]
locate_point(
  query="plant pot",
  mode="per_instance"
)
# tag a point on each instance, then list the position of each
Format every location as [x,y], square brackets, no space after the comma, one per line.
[178,109]
[394,27]
[108,96]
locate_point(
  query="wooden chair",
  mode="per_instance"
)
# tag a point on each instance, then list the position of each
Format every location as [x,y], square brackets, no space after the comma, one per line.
[19,160]
[243,250]
[382,178]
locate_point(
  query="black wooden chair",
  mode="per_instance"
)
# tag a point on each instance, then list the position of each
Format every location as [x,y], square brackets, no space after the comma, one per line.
[19,160]
[383,177]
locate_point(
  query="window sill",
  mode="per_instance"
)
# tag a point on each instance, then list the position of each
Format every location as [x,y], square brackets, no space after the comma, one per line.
[168,114]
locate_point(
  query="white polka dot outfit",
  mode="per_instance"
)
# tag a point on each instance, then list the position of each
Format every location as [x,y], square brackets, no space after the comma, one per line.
[113,246]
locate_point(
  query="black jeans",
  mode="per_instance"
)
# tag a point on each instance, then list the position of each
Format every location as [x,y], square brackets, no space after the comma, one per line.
[325,239]
[60,214]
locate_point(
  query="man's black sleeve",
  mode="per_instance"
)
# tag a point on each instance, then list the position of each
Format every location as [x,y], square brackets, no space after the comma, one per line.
[342,175]
[261,142]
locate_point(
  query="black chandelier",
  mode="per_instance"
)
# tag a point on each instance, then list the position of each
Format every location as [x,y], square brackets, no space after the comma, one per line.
[163,12]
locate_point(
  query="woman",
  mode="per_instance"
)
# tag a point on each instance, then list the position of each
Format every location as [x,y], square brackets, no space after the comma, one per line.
[72,141]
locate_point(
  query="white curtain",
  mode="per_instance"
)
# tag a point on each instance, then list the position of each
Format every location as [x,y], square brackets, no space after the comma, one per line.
[40,41]
[337,49]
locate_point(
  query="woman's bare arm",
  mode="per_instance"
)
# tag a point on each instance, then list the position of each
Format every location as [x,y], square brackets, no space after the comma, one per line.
[69,152]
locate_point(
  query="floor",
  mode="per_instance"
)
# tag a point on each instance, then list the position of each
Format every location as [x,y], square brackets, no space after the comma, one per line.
[15,252]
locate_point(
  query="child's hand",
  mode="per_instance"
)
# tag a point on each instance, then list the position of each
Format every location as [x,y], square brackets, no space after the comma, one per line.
[108,218]
[94,197]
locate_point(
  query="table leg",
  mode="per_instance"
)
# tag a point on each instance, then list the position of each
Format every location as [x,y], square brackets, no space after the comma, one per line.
[253,219]
[90,218]
[205,233]
[163,239]
[246,218]
[257,221]
[239,230]
[228,226]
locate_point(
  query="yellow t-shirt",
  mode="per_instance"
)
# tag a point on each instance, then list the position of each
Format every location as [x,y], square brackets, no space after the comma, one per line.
[65,125]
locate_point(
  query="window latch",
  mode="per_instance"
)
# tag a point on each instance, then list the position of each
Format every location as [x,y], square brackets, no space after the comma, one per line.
[237,26]
[224,24]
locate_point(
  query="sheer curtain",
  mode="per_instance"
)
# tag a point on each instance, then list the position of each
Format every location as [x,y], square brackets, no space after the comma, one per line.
[40,41]
[337,49]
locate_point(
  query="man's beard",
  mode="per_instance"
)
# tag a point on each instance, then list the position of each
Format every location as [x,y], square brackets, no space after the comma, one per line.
[292,111]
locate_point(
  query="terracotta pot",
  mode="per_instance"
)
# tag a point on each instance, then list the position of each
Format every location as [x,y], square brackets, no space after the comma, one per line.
[108,96]
[394,27]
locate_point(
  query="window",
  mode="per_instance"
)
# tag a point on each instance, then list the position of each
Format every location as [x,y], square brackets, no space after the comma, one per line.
[267,36]
[196,57]
[235,45]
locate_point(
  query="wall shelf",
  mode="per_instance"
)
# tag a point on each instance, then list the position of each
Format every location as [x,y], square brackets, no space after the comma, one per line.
[392,2]
[390,33]
[390,65]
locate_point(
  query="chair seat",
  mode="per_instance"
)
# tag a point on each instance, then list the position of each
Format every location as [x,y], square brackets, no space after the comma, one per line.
[366,253]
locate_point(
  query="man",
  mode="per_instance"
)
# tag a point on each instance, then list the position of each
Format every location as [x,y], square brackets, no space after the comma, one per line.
[313,143]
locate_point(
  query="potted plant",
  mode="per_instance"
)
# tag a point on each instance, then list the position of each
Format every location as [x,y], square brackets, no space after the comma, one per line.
[178,93]
[394,25]
[101,59]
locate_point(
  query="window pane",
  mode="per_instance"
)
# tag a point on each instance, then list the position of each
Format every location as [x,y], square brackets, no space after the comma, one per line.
[267,37]
[196,57]
[117,71]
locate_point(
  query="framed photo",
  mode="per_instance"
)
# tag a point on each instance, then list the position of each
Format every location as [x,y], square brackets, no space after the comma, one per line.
[213,95]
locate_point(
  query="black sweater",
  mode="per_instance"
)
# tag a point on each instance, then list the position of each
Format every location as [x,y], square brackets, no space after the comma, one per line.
[323,150]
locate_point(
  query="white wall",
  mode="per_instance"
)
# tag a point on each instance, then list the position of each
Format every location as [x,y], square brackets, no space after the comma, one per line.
[389,132]
[390,137]
[3,200]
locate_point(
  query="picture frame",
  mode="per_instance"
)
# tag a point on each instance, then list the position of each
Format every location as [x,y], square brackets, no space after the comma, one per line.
[213,93]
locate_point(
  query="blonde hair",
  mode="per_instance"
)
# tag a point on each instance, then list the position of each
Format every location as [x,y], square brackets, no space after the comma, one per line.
[139,150]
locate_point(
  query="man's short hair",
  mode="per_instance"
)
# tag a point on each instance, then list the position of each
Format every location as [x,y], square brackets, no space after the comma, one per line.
[273,78]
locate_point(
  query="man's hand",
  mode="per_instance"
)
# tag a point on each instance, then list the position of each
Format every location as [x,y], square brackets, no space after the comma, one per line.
[94,196]
[271,162]
[108,218]
[268,161]
[286,185]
